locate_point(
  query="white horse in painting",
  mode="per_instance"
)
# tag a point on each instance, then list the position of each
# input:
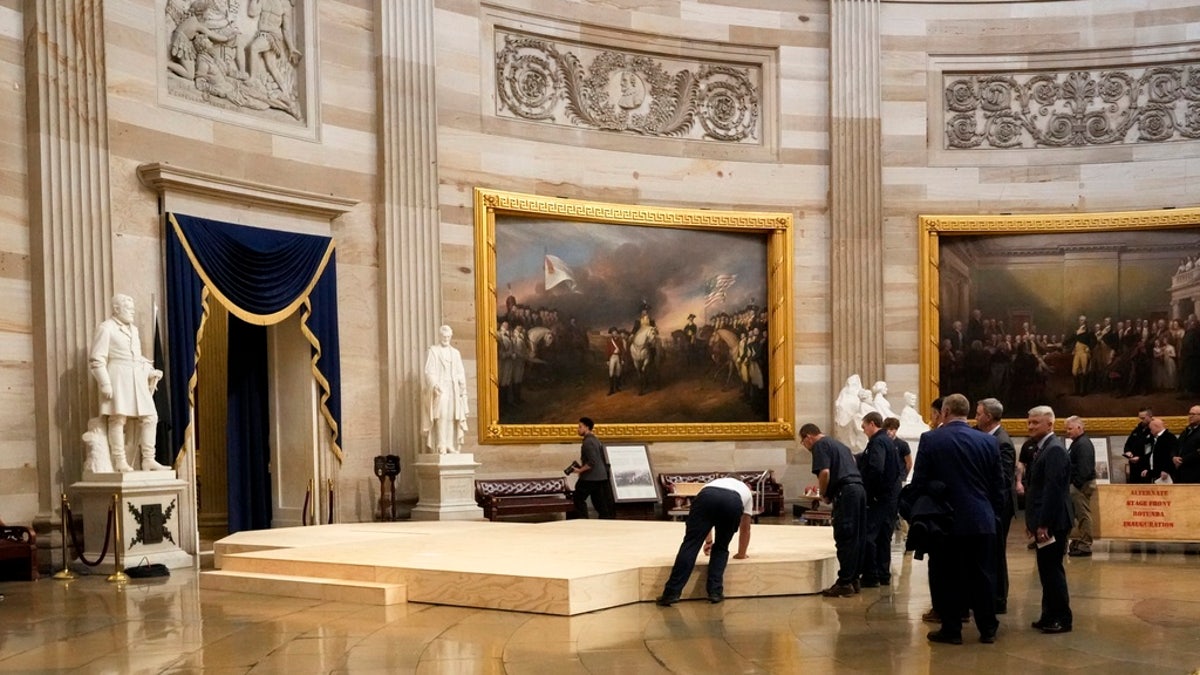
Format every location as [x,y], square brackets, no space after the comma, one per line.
[722,347]
[644,352]
[540,338]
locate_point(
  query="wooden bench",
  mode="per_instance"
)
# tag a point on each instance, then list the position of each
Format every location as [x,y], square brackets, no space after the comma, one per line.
[523,496]
[772,491]
[18,553]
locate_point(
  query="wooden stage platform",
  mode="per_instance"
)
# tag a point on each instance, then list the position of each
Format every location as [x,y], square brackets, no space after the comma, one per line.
[564,567]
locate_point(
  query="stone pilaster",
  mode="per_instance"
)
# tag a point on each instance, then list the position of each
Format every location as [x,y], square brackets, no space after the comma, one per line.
[412,298]
[70,226]
[855,183]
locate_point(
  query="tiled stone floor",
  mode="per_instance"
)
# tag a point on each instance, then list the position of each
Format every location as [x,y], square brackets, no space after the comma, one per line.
[1137,610]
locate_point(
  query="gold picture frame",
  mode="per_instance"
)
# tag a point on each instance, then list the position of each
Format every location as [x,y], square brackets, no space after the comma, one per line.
[936,231]
[681,228]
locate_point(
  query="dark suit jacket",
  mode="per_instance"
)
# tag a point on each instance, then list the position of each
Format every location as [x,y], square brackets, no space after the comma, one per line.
[1166,446]
[879,464]
[1189,453]
[1008,466]
[967,461]
[1135,446]
[1083,461]
[1048,499]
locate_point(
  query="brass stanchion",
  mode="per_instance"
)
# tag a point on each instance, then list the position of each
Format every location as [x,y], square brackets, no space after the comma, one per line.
[312,505]
[65,574]
[118,574]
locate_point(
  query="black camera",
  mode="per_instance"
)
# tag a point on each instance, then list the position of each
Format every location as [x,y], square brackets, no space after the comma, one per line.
[571,469]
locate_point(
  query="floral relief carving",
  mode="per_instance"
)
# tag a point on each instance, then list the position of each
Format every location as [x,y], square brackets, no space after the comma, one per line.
[1072,108]
[609,90]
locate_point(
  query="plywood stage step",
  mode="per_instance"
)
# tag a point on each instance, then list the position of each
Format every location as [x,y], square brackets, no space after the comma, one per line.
[315,588]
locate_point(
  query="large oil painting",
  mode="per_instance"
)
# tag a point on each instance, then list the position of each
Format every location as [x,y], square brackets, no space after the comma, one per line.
[658,323]
[1092,314]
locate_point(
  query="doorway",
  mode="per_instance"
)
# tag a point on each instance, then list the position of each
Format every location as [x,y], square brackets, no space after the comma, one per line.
[277,485]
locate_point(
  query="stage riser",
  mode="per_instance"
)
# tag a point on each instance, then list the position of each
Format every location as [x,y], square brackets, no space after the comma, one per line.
[303,587]
[560,567]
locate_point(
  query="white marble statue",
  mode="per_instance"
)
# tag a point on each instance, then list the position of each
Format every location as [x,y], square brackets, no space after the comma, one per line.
[880,401]
[912,425]
[864,407]
[444,397]
[127,381]
[845,407]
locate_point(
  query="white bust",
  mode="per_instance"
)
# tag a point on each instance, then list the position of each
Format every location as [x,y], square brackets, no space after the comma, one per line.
[444,397]
[912,425]
[880,401]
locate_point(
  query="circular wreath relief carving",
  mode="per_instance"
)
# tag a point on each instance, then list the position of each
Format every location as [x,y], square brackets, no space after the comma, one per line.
[624,92]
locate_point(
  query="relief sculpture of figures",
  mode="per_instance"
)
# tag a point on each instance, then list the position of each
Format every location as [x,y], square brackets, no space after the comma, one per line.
[444,397]
[127,381]
[229,58]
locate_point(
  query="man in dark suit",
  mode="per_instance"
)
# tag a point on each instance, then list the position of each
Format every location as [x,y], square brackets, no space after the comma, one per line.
[1164,446]
[1136,444]
[1048,518]
[962,571]
[987,419]
[1187,463]
[1083,484]
[880,466]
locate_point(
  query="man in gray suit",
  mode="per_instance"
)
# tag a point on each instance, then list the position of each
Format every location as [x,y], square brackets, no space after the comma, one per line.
[1083,484]
[988,412]
[1048,518]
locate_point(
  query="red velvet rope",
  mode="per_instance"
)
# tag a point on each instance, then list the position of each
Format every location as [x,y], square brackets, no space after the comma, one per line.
[108,530]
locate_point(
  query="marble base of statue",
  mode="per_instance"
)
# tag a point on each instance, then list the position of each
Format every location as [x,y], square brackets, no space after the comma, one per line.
[149,506]
[446,485]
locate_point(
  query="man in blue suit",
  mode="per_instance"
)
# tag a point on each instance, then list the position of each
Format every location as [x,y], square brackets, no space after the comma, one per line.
[1048,518]
[962,571]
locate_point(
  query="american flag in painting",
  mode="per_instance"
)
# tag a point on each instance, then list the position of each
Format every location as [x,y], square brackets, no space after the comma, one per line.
[715,288]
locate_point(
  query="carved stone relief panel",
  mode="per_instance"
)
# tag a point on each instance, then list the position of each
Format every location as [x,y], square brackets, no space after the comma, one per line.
[1072,108]
[240,60]
[594,86]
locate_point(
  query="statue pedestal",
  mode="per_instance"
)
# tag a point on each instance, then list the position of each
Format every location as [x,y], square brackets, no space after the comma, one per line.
[148,503]
[446,485]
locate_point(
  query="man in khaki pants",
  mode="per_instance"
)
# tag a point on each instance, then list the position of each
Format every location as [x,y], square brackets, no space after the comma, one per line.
[1083,484]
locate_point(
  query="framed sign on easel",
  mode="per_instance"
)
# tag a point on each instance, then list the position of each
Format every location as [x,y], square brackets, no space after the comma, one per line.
[630,475]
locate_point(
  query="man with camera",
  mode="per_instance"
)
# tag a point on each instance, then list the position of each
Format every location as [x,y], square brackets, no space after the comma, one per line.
[593,475]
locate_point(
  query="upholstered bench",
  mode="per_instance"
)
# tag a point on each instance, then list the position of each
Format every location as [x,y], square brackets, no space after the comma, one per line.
[18,553]
[523,496]
[772,504]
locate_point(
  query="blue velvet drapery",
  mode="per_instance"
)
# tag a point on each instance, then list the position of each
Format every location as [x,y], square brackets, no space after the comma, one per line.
[262,277]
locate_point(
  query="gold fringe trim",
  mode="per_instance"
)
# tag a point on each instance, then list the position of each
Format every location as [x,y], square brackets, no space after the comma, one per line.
[302,301]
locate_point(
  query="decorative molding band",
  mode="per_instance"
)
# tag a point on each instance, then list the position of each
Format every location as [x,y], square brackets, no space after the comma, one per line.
[592,86]
[1072,108]
[160,177]
[633,214]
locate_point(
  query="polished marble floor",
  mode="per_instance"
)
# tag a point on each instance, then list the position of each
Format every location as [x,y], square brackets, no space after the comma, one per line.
[1137,610]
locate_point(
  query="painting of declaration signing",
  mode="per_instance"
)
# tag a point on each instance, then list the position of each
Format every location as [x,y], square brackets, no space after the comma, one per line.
[1100,324]
[629,323]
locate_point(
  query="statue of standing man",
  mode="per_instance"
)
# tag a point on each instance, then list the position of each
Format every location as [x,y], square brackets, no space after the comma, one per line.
[444,397]
[127,382]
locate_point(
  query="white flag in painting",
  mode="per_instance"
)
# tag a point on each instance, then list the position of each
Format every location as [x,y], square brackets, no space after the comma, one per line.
[557,272]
